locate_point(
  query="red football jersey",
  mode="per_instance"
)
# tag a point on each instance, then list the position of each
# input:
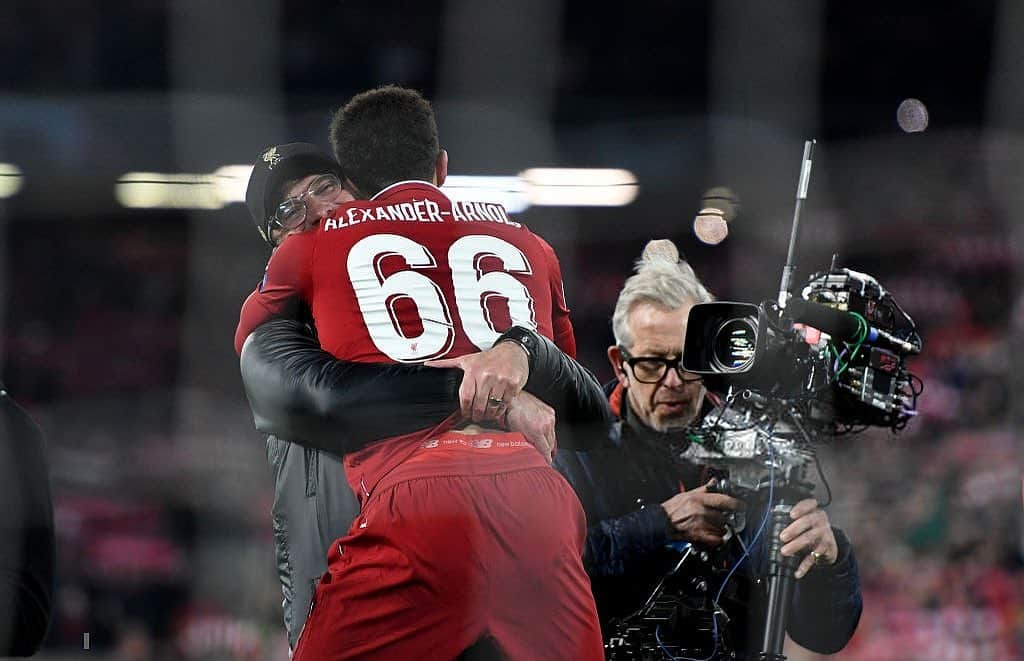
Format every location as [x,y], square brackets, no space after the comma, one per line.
[411,276]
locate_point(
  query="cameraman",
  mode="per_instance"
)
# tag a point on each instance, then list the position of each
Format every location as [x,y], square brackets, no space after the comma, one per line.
[640,497]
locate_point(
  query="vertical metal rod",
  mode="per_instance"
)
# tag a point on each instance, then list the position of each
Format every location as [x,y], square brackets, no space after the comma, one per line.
[781,582]
[801,194]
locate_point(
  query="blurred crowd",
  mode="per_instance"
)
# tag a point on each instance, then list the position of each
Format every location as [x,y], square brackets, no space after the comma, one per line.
[161,484]
[164,538]
[935,512]
[156,560]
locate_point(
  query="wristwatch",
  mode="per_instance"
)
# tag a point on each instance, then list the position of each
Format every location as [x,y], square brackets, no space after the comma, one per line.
[524,338]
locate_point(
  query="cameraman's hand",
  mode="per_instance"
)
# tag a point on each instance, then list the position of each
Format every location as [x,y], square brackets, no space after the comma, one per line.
[699,516]
[491,379]
[809,535]
[535,420]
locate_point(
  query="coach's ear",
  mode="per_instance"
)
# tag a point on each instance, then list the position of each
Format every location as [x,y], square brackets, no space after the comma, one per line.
[441,168]
[615,358]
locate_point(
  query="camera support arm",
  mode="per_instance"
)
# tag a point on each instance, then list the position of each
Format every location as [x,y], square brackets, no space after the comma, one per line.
[781,575]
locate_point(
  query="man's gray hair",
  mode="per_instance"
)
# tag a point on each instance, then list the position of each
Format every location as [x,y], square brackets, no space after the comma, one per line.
[661,279]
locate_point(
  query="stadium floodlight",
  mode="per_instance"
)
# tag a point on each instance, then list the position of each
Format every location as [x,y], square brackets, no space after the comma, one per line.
[510,192]
[156,190]
[536,186]
[11,179]
[231,182]
[580,187]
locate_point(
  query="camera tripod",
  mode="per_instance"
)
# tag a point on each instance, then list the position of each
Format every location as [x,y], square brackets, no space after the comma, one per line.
[684,601]
[781,573]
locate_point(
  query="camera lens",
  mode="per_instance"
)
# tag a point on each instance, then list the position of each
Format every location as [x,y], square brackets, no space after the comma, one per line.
[734,345]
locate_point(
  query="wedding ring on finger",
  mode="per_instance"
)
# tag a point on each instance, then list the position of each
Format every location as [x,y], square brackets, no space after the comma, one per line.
[494,401]
[819,558]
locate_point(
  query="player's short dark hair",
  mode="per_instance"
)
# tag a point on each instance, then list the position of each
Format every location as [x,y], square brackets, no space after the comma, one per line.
[383,136]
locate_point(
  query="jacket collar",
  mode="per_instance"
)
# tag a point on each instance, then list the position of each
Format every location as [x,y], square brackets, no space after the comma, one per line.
[630,431]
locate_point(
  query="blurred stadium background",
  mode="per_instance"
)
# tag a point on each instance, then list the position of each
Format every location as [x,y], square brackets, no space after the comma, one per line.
[117,320]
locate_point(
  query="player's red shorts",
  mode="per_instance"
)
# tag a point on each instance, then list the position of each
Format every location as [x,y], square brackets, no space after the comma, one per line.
[473,536]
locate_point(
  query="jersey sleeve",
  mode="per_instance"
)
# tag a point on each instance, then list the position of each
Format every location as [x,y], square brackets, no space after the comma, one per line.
[286,283]
[561,326]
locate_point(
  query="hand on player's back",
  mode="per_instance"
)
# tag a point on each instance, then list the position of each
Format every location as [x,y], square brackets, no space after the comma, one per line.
[491,380]
[535,420]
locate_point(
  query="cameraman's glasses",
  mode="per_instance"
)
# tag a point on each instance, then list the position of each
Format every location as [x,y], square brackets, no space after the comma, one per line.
[652,369]
[291,213]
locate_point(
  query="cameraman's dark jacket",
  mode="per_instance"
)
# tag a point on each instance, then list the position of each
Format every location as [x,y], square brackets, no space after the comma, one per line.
[329,407]
[627,546]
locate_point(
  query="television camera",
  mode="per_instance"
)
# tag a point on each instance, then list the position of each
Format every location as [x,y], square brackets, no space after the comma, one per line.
[792,374]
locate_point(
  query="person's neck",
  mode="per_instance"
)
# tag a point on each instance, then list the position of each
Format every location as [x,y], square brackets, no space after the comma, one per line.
[638,428]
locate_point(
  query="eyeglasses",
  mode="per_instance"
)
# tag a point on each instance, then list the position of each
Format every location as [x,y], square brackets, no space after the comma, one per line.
[652,369]
[291,213]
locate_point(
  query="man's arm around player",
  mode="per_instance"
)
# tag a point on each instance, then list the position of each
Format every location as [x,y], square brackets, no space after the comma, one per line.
[298,391]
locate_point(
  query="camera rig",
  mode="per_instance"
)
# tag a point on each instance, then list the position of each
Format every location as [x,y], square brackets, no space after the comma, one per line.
[835,358]
[793,373]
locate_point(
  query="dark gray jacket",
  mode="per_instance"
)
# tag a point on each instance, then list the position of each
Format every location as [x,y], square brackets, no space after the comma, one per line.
[330,407]
[313,506]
